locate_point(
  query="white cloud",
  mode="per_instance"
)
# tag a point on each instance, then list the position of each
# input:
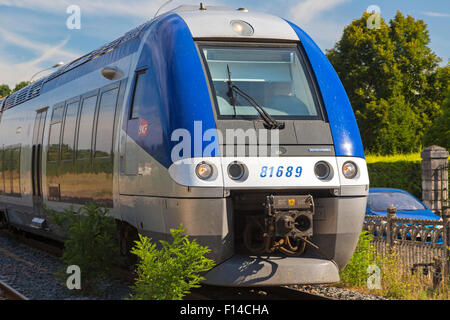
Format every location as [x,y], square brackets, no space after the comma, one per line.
[436,14]
[309,10]
[310,16]
[18,40]
[135,8]
[13,72]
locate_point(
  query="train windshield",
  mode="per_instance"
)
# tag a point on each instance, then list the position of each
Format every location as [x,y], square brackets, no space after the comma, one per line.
[275,77]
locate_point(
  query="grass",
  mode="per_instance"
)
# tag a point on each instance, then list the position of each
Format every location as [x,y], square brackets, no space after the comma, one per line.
[414,157]
[396,280]
[399,283]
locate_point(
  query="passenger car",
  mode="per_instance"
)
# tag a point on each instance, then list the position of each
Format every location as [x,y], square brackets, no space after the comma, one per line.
[141,127]
[406,204]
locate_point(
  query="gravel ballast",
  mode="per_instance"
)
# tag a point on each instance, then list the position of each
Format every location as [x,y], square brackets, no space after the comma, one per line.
[32,272]
[337,293]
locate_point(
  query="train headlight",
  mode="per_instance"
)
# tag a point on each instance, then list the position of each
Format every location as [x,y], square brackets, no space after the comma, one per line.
[242,28]
[323,170]
[204,170]
[349,170]
[236,170]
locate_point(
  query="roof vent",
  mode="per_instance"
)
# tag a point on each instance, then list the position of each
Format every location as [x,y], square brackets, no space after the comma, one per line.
[202,6]
[243,9]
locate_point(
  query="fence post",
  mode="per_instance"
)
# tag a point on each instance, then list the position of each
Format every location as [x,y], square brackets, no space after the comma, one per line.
[391,214]
[433,159]
[446,240]
[438,274]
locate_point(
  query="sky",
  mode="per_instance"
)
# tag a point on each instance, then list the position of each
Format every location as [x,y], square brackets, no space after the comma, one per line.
[34,34]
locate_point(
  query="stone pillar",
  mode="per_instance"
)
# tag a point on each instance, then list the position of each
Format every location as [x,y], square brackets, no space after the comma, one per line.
[434,178]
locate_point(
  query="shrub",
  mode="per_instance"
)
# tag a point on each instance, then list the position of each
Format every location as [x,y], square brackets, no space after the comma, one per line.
[398,171]
[355,272]
[399,283]
[396,280]
[91,242]
[169,273]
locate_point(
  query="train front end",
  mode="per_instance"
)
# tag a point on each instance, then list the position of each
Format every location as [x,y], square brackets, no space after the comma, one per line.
[265,142]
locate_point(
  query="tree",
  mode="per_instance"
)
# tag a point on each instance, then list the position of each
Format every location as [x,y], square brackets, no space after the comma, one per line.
[21,85]
[393,81]
[390,126]
[4,90]
[439,132]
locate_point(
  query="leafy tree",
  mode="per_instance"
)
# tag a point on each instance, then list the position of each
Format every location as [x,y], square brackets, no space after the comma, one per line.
[390,126]
[21,85]
[439,132]
[4,90]
[393,81]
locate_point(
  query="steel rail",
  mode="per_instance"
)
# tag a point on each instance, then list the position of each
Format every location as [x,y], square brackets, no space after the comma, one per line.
[206,292]
[11,294]
[294,294]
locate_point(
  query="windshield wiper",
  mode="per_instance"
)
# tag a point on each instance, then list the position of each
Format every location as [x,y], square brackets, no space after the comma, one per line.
[268,119]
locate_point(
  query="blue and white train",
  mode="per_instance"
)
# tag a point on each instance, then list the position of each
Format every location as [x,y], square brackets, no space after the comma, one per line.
[230,122]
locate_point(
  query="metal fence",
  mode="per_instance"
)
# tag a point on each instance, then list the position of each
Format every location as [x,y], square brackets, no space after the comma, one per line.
[419,244]
[441,178]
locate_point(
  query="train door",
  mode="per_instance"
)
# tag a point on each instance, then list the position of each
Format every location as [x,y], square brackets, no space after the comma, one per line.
[36,158]
[129,161]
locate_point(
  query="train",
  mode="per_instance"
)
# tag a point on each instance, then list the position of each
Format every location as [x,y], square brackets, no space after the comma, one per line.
[229,122]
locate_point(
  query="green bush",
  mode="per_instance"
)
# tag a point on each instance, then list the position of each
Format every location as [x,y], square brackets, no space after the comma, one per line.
[399,171]
[438,132]
[171,272]
[355,272]
[91,242]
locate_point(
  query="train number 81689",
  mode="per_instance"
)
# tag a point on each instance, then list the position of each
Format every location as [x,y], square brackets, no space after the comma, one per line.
[281,171]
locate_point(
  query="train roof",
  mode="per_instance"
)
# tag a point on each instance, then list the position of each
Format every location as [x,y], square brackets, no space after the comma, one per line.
[34,89]
[265,27]
[2,102]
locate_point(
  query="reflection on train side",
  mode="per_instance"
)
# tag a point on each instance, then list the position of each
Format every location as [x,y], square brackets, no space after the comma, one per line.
[80,156]
[10,170]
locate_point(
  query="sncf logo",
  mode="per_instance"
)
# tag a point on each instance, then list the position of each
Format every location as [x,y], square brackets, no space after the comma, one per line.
[143,127]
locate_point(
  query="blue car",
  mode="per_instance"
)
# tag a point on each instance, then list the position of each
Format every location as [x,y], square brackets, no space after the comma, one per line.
[407,205]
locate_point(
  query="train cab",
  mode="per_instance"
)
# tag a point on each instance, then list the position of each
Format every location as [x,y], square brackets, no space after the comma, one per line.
[230,122]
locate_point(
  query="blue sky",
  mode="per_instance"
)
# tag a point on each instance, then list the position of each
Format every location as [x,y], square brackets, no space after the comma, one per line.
[34,35]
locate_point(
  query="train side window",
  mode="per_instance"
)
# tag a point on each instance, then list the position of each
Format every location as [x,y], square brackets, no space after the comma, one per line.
[85,127]
[55,133]
[57,114]
[15,171]
[7,155]
[105,123]
[10,170]
[139,96]
[68,142]
[2,179]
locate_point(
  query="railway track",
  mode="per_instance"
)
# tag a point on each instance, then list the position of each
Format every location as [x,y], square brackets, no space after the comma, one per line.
[8,293]
[34,241]
[205,292]
[258,293]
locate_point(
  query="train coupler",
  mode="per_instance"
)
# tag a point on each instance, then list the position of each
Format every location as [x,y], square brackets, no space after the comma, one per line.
[285,227]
